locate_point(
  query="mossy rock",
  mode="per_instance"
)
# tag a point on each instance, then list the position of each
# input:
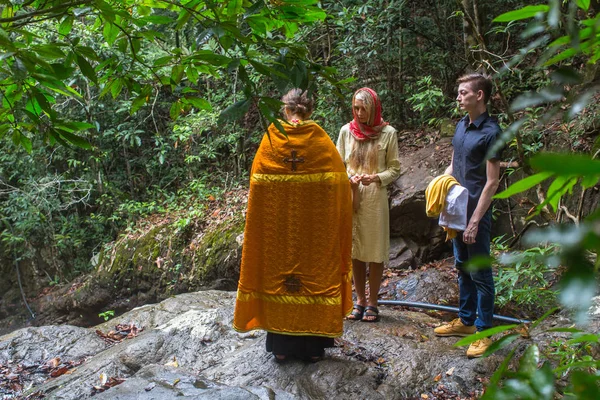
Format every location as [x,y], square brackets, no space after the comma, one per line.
[447,127]
[147,267]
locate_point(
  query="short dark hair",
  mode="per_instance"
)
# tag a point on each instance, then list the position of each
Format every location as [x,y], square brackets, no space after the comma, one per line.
[478,82]
[298,102]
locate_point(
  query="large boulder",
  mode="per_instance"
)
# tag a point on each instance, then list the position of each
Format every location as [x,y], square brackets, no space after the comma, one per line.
[408,219]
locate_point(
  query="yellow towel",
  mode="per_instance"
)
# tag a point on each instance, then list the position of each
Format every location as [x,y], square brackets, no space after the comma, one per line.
[435,196]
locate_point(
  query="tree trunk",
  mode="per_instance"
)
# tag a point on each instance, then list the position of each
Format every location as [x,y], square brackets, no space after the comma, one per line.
[474,45]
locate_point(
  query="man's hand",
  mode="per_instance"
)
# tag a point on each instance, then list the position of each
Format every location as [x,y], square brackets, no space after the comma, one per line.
[470,233]
[366,180]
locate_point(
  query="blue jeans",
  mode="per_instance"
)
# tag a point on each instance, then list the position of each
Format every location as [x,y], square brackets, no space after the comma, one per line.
[476,289]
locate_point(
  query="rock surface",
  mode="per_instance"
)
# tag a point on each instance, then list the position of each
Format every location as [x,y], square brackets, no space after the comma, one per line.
[189,350]
[408,219]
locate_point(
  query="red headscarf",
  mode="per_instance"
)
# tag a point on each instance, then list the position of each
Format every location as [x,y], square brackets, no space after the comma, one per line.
[362,131]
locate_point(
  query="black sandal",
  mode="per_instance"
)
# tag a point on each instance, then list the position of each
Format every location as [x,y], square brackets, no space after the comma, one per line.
[374,312]
[357,313]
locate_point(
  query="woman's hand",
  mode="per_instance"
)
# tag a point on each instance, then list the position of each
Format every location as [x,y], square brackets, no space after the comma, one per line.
[354,181]
[366,180]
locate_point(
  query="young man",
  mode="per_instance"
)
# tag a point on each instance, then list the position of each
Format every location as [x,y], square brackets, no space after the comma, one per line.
[475,134]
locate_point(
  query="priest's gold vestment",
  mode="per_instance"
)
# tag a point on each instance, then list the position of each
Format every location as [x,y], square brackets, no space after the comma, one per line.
[295,275]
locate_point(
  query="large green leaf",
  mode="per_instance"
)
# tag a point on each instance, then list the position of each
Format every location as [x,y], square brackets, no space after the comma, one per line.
[524,184]
[110,32]
[529,361]
[566,164]
[483,334]
[583,4]
[200,104]
[235,111]
[66,25]
[86,68]
[545,95]
[74,139]
[585,385]
[523,13]
[501,343]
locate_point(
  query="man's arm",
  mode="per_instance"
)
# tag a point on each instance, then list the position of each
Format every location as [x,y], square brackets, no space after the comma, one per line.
[449,169]
[491,185]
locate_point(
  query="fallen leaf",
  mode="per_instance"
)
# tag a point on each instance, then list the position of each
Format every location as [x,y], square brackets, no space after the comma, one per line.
[59,372]
[437,378]
[424,396]
[103,379]
[55,362]
[524,331]
[176,381]
[173,363]
[450,371]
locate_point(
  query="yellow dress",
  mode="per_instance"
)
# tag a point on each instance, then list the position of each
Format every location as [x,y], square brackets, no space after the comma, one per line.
[371,223]
[295,275]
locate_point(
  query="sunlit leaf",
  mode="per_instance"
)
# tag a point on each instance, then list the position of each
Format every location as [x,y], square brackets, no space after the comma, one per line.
[66,25]
[523,13]
[583,4]
[200,104]
[110,32]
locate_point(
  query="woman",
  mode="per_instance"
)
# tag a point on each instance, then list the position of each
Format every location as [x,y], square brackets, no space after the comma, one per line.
[369,147]
[296,265]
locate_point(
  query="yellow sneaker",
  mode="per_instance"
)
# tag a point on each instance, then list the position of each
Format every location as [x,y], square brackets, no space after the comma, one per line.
[454,328]
[477,348]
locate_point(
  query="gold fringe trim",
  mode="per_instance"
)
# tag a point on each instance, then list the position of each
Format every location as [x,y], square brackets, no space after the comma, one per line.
[305,178]
[260,328]
[284,299]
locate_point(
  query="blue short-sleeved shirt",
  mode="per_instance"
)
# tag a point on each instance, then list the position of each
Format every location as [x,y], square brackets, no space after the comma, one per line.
[471,143]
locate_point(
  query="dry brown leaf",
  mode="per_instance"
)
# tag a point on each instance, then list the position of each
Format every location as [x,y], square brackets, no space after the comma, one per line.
[437,378]
[55,362]
[424,396]
[59,372]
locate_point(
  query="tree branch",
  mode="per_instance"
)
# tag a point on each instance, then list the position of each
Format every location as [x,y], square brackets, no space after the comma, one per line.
[46,11]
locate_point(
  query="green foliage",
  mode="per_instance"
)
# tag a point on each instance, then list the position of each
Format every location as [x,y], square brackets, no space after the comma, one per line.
[106,315]
[429,101]
[579,245]
[523,278]
[93,49]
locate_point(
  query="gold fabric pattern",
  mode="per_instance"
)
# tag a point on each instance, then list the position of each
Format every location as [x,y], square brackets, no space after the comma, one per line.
[295,276]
